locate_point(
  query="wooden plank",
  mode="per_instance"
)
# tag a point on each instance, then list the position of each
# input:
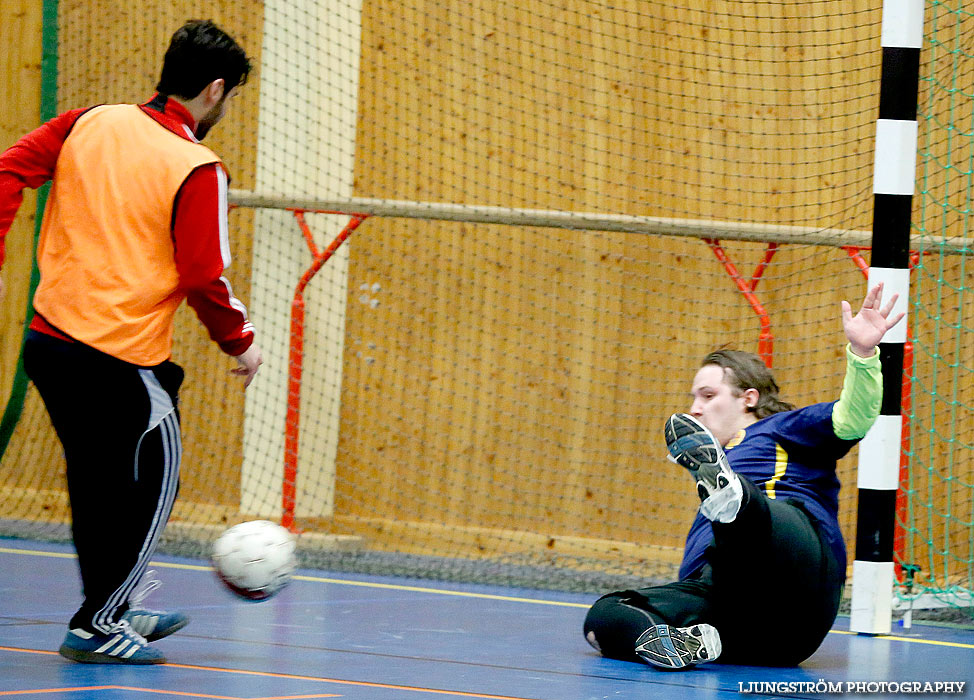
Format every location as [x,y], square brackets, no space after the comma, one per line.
[20,82]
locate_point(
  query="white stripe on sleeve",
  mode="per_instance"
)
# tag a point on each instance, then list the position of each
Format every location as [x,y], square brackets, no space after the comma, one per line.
[222,207]
[232,300]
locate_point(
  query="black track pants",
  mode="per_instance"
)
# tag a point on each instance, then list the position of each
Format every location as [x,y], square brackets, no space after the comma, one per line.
[772,590]
[119,428]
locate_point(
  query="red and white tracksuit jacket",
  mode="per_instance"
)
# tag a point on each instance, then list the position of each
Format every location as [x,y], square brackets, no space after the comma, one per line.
[136,221]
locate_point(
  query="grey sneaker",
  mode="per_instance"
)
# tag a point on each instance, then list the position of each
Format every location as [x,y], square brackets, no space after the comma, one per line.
[678,647]
[155,624]
[152,624]
[694,447]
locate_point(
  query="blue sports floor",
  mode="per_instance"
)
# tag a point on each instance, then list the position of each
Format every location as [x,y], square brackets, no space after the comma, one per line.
[360,637]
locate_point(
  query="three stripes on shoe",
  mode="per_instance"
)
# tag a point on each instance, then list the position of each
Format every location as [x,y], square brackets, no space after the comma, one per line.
[120,645]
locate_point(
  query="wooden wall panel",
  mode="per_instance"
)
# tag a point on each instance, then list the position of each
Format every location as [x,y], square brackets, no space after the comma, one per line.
[35,453]
[575,346]
[660,109]
[520,378]
[20,77]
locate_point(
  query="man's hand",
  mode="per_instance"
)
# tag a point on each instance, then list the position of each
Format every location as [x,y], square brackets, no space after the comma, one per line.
[248,362]
[867,328]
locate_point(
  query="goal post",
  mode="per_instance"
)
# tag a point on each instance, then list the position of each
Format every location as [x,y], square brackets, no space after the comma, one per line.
[307,117]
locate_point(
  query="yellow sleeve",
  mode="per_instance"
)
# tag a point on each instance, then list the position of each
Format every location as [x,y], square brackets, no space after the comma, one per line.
[862,396]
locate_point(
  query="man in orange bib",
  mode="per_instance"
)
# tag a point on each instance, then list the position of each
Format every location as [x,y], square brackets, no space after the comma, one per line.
[136,222]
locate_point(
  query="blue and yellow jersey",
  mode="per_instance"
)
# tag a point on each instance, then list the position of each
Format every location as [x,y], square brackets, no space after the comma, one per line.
[790,455]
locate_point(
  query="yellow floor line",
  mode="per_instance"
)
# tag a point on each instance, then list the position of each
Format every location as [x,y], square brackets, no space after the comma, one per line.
[462,594]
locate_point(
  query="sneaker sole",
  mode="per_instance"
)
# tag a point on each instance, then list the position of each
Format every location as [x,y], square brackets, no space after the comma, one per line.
[90,657]
[674,648]
[685,437]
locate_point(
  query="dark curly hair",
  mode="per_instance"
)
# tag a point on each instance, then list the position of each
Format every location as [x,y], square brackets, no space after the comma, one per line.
[199,53]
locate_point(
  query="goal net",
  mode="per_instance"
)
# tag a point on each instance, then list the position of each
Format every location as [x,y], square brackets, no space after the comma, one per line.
[553,211]
[936,501]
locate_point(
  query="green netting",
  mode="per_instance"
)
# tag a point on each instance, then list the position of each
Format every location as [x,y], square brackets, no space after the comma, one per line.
[937,516]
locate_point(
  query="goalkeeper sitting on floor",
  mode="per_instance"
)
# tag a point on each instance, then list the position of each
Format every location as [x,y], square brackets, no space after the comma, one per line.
[767,530]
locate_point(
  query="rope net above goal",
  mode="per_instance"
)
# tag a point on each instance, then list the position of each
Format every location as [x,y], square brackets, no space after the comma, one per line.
[483,397]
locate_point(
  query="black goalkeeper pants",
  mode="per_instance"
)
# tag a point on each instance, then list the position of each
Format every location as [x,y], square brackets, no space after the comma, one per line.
[119,428]
[772,590]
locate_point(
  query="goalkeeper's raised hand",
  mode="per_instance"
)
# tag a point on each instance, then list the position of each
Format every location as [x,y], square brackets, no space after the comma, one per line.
[866,329]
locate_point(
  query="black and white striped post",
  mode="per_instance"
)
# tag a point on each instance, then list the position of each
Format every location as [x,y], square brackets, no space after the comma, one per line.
[894,178]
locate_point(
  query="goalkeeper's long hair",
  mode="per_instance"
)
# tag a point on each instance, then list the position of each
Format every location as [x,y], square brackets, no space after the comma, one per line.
[745,370]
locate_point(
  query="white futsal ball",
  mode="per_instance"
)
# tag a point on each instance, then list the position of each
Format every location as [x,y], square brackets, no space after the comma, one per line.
[255,559]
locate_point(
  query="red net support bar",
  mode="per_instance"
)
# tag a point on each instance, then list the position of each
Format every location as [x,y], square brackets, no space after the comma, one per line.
[855,253]
[296,356]
[748,287]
